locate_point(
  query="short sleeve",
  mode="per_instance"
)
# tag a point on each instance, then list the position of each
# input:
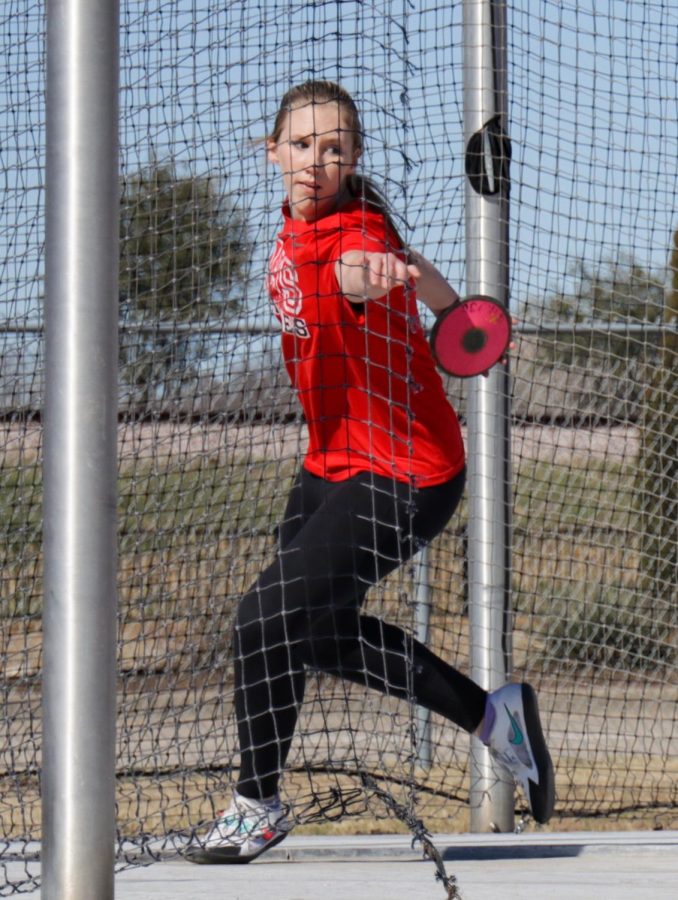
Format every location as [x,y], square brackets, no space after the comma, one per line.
[357,229]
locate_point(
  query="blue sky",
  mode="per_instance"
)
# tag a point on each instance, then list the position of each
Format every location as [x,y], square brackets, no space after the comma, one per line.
[593,121]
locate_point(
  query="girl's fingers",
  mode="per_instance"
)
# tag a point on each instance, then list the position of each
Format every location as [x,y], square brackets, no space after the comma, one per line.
[387,270]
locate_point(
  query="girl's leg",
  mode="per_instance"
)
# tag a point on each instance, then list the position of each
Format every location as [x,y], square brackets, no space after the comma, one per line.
[271,624]
[382,656]
[387,659]
[304,609]
[269,679]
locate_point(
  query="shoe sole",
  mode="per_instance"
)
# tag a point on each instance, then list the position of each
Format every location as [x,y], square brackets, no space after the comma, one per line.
[543,795]
[227,856]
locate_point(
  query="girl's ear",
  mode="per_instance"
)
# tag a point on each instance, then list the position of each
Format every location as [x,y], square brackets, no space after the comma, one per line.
[272,151]
[357,153]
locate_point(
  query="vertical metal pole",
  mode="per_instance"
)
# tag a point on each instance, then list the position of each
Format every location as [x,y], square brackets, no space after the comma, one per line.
[422,617]
[487,219]
[78,780]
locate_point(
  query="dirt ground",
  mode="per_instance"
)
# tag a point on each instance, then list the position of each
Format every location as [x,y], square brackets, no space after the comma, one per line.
[141,442]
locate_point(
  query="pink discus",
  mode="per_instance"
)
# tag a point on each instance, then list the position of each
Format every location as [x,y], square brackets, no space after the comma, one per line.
[471,336]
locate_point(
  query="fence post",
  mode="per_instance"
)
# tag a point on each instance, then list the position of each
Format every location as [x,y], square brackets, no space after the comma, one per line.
[487,208]
[80,458]
[422,615]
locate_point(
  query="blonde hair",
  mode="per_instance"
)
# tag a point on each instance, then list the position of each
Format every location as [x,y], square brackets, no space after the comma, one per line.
[358,186]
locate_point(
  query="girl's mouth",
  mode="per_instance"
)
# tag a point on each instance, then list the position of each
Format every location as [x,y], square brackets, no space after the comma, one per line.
[311,186]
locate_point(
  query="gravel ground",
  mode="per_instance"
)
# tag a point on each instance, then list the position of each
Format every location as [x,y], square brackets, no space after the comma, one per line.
[157,441]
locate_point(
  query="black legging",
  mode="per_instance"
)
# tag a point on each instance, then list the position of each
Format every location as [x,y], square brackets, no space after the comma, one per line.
[336,540]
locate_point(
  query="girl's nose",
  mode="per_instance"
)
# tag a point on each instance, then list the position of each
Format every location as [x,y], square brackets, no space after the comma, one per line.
[314,160]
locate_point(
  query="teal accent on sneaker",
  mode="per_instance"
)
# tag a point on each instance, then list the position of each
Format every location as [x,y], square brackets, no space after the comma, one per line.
[516,737]
[516,740]
[241,833]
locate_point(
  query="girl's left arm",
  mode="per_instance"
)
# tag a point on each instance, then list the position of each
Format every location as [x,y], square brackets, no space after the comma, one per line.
[432,288]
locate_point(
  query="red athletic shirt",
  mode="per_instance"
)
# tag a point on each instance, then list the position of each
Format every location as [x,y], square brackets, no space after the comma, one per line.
[365,377]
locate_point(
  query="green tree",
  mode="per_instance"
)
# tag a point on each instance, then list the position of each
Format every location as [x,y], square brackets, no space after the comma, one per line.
[630,374]
[615,293]
[184,254]
[657,473]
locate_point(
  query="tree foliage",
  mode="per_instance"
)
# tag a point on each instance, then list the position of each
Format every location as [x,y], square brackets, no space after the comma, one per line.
[184,254]
[640,368]
[616,293]
[657,472]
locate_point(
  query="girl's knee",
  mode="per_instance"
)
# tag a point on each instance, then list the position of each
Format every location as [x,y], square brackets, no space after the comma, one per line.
[250,626]
[261,623]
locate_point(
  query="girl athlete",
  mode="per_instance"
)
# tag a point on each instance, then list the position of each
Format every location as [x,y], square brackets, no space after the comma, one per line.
[383,473]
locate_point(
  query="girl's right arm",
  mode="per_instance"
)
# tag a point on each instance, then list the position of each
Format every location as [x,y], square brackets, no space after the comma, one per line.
[368,276]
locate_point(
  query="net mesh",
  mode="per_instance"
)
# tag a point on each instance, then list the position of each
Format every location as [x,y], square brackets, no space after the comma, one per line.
[210,434]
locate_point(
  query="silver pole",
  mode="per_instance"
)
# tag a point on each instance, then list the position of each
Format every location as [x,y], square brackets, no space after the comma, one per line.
[79,619]
[422,613]
[487,216]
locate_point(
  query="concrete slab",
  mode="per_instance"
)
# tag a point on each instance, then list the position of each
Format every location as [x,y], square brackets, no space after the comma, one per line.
[573,866]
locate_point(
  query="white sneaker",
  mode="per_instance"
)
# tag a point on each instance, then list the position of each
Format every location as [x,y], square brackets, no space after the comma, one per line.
[243,832]
[512,732]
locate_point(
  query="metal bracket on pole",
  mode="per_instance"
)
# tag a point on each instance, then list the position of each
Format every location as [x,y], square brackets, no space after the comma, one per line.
[487,217]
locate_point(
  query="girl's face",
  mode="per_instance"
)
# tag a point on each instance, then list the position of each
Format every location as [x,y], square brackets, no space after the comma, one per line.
[315,152]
